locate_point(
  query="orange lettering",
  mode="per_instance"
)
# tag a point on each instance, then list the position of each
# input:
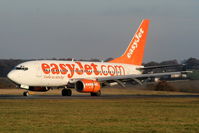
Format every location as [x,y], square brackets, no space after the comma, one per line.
[95,69]
[111,72]
[88,69]
[120,69]
[55,69]
[71,67]
[103,71]
[45,68]
[80,70]
[63,68]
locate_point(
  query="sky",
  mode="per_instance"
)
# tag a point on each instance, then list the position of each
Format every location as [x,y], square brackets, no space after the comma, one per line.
[35,29]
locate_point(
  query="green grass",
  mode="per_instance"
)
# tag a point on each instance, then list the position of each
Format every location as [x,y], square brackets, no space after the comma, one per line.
[149,115]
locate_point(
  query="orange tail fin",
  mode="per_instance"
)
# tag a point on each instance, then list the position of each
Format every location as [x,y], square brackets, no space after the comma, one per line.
[135,51]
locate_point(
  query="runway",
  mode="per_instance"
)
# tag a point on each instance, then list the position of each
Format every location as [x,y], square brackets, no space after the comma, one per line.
[93,97]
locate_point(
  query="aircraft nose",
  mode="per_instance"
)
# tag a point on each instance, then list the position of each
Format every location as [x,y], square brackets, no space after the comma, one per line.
[11,75]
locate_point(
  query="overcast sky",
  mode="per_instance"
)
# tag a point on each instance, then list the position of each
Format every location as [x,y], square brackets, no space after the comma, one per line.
[97,28]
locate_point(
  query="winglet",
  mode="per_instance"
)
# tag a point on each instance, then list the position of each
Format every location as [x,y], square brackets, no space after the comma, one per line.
[135,52]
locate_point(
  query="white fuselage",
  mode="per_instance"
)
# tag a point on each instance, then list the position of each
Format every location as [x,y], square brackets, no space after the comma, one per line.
[59,73]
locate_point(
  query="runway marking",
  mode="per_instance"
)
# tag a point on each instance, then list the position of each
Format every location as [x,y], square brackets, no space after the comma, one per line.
[93,97]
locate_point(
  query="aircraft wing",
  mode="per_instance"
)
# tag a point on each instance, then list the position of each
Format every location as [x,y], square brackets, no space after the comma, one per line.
[138,77]
[183,66]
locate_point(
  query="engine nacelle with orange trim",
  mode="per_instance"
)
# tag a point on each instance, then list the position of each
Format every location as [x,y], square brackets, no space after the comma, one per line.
[86,85]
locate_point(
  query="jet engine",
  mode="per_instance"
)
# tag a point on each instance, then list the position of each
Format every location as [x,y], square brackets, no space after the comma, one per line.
[86,85]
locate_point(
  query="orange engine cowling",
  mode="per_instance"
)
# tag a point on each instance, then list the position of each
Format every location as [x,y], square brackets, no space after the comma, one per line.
[86,85]
[40,89]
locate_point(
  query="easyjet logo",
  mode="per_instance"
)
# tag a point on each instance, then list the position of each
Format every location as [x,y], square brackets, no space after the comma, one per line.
[136,40]
[91,84]
[79,69]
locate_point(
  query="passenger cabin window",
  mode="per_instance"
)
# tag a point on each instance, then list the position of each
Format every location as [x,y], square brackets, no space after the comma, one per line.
[21,68]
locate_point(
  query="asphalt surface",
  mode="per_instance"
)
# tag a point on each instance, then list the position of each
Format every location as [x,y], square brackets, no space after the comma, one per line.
[94,97]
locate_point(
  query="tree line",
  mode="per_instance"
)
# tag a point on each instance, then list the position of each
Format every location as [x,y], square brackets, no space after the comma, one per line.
[8,64]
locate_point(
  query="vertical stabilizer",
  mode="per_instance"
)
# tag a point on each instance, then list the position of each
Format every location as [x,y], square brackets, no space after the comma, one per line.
[135,52]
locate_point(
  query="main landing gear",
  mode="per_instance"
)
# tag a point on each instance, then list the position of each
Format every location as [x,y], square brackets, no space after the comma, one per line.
[96,93]
[66,92]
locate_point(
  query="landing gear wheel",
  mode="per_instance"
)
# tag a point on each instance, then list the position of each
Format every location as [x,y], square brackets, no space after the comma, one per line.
[96,93]
[26,93]
[66,92]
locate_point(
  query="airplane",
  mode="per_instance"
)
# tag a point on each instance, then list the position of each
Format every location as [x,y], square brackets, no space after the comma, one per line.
[86,77]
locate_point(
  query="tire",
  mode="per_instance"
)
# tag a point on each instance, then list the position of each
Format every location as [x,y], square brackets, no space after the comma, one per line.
[96,93]
[92,94]
[66,92]
[26,93]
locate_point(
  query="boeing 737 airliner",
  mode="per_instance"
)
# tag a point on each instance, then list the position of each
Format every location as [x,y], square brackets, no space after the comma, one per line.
[86,77]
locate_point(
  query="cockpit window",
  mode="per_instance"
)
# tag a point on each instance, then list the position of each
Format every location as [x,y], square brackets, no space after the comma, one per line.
[21,68]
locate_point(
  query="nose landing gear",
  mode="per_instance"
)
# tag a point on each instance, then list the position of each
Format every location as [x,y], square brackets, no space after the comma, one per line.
[26,93]
[66,92]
